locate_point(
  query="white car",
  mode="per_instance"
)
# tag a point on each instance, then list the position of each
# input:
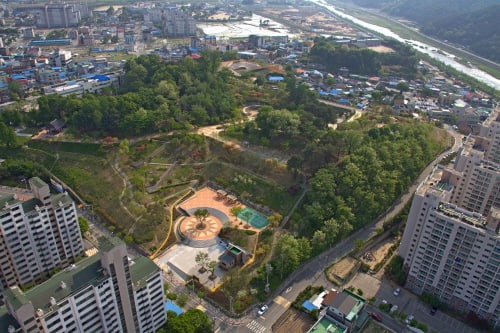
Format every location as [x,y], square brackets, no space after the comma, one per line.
[397,292]
[262,310]
[409,319]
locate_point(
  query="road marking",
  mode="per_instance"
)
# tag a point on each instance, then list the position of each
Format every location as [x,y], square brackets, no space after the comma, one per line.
[282,301]
[256,327]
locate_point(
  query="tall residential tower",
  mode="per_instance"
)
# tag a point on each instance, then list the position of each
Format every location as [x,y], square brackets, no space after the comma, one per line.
[108,292]
[451,243]
[37,235]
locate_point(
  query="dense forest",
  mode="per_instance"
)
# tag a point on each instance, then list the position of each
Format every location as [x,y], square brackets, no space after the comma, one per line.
[473,24]
[356,172]
[156,96]
[477,30]
[364,61]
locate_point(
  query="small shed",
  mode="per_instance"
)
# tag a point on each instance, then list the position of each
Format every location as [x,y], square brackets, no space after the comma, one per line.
[56,126]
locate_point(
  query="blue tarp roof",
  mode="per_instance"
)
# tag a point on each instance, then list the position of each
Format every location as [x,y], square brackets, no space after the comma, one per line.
[335,91]
[309,306]
[18,76]
[323,93]
[169,306]
[344,101]
[101,77]
[276,78]
[360,105]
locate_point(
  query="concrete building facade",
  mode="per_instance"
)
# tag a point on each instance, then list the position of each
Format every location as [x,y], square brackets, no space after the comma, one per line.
[451,242]
[108,292]
[36,235]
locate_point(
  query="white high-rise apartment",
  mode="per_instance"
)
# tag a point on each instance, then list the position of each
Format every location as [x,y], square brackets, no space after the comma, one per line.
[108,292]
[451,243]
[36,235]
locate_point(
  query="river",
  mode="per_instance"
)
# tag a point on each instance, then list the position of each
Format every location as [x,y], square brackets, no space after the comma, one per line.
[432,51]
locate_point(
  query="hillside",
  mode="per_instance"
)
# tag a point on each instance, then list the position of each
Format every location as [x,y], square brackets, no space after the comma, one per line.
[473,24]
[478,31]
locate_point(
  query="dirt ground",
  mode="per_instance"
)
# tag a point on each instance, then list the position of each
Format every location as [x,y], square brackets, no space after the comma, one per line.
[375,254]
[381,49]
[373,327]
[293,321]
[342,268]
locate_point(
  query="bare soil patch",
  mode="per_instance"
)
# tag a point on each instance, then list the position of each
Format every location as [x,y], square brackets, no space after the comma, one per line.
[293,321]
[341,271]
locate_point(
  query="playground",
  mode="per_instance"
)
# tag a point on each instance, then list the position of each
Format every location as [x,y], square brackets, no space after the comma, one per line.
[219,204]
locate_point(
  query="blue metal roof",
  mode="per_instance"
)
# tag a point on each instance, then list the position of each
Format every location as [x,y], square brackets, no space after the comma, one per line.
[276,78]
[309,306]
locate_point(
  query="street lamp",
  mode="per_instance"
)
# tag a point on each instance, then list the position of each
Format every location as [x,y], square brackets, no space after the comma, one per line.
[269,269]
[282,266]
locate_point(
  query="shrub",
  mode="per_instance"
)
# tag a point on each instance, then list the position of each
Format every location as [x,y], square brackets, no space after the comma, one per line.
[250,232]
[182,300]
[172,296]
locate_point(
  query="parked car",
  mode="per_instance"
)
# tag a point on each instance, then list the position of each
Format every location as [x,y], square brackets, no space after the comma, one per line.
[376,316]
[397,292]
[409,319]
[262,310]
[434,310]
[393,309]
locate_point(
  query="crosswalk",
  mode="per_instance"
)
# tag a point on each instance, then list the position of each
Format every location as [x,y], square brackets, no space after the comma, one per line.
[256,327]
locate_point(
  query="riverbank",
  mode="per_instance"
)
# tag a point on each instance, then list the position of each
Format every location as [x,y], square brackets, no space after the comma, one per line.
[439,55]
[408,32]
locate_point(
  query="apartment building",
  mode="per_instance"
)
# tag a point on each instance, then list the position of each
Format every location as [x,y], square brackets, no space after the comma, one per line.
[60,58]
[37,235]
[107,292]
[59,15]
[174,22]
[451,242]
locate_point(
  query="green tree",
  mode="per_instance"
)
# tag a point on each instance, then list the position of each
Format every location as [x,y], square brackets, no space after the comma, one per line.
[235,211]
[16,90]
[124,148]
[403,86]
[211,268]
[202,259]
[84,224]
[201,217]
[191,321]
[7,136]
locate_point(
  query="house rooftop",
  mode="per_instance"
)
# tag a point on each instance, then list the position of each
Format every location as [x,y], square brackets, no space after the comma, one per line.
[348,304]
[325,325]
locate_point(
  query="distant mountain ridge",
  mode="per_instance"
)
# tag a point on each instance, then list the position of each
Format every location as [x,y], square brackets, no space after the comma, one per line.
[471,23]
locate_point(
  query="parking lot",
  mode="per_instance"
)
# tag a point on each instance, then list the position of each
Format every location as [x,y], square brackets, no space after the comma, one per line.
[408,303]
